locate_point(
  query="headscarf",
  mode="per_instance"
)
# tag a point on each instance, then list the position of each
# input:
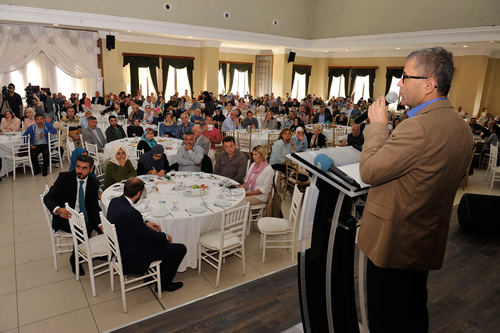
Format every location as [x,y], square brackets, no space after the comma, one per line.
[207,98]
[149,162]
[117,147]
[51,120]
[151,142]
[87,103]
[27,120]
[74,156]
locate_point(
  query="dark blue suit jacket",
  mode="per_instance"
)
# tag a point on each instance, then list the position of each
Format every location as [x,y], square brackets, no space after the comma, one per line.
[139,245]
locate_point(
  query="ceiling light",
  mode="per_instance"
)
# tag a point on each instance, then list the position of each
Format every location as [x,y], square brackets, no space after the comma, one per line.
[190,37]
[55,25]
[398,48]
[129,30]
[348,50]
[8,28]
[492,41]
[464,46]
[281,45]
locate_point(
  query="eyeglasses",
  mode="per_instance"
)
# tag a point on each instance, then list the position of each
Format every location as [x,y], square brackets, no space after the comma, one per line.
[404,77]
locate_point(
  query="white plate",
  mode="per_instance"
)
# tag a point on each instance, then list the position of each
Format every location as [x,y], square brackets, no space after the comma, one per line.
[159,213]
[237,192]
[195,193]
[222,203]
[196,209]
[143,209]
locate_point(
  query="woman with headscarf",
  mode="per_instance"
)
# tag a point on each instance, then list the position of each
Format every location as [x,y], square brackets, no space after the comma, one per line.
[153,162]
[88,104]
[168,128]
[147,141]
[29,119]
[297,122]
[119,166]
[48,118]
[74,156]
[209,103]
[10,123]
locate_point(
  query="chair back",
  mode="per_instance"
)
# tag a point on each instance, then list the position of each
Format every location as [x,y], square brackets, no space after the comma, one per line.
[112,242]
[226,133]
[234,224]
[245,143]
[21,148]
[46,211]
[271,140]
[294,208]
[99,174]
[78,229]
[493,155]
[93,151]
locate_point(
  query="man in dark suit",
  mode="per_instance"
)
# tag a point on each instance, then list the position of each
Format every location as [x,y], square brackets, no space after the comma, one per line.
[142,242]
[97,99]
[67,189]
[93,134]
[322,116]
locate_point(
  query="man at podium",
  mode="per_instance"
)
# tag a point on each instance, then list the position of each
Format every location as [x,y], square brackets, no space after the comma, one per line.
[414,176]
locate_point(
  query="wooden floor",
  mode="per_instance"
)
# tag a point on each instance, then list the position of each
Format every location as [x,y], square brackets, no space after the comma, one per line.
[464,296]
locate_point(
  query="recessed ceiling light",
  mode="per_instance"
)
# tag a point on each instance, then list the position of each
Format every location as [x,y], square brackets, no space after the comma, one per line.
[190,37]
[492,41]
[55,25]
[398,48]
[348,50]
[129,30]
[8,28]
[281,45]
[464,46]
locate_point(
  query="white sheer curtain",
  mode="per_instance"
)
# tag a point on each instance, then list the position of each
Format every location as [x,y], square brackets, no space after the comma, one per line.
[75,52]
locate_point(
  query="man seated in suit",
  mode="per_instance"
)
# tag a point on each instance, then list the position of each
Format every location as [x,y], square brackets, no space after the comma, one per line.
[201,140]
[142,242]
[81,193]
[475,127]
[189,156]
[322,116]
[97,99]
[93,134]
[231,163]
[114,131]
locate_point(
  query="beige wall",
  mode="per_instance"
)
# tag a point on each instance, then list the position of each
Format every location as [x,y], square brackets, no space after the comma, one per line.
[209,57]
[491,95]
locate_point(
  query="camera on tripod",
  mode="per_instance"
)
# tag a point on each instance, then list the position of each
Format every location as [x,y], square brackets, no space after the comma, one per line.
[30,91]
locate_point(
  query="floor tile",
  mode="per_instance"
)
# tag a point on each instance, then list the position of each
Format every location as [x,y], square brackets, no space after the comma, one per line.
[8,312]
[29,232]
[140,303]
[6,220]
[276,259]
[7,236]
[6,207]
[64,323]
[7,280]
[22,205]
[231,274]
[33,250]
[7,256]
[31,216]
[102,287]
[41,272]
[28,190]
[50,300]
[195,287]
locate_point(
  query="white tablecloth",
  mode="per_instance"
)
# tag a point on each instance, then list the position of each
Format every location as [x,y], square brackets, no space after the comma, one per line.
[6,150]
[131,143]
[182,227]
[258,138]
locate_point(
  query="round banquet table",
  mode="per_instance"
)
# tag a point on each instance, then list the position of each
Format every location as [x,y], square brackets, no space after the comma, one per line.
[184,228]
[6,150]
[171,145]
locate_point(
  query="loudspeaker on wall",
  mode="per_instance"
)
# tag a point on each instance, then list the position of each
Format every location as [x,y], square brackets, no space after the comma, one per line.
[291,57]
[110,42]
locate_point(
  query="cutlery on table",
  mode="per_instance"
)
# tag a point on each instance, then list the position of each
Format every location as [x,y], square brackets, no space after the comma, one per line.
[187,211]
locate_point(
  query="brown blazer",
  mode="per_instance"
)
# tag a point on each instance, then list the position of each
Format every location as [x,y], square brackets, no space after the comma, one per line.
[414,176]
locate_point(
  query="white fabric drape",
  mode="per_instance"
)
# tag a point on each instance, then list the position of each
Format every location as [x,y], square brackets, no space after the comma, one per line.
[74,52]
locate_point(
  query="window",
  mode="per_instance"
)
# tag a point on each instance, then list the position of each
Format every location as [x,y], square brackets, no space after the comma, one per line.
[394,87]
[221,83]
[145,82]
[361,88]
[338,87]
[299,86]
[240,82]
[177,82]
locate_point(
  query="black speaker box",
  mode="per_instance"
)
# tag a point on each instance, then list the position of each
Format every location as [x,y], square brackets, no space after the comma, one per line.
[291,57]
[110,42]
[478,211]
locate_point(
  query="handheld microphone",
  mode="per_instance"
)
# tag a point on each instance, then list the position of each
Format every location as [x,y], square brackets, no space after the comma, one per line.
[391,97]
[326,164]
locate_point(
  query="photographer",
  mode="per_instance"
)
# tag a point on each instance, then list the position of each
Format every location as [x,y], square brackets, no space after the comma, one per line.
[15,101]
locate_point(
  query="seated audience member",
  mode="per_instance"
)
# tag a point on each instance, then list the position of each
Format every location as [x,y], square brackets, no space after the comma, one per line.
[355,137]
[195,104]
[94,135]
[219,118]
[355,112]
[39,143]
[300,140]
[260,178]
[114,131]
[84,121]
[189,156]
[274,108]
[147,141]
[74,157]
[119,166]
[135,129]
[78,106]
[168,128]
[335,111]
[281,148]
[200,139]
[270,122]
[232,122]
[72,123]
[185,126]
[136,113]
[316,139]
[231,163]
[302,114]
[342,119]
[289,122]
[322,117]
[66,189]
[297,122]
[284,109]
[493,139]
[142,242]
[197,118]
[149,115]
[250,121]
[475,127]
[153,162]
[29,119]
[395,123]
[213,135]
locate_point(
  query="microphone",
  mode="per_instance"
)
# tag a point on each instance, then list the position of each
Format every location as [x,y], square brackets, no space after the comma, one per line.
[326,164]
[391,97]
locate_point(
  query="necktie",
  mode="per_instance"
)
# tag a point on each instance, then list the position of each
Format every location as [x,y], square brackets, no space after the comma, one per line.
[81,202]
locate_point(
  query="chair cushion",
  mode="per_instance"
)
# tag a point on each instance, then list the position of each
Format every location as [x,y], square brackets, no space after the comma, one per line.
[211,240]
[98,246]
[273,224]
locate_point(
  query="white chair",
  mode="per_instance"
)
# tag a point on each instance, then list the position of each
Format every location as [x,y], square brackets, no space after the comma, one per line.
[493,169]
[21,154]
[214,246]
[134,156]
[99,174]
[255,215]
[115,265]
[54,145]
[271,226]
[62,242]
[70,146]
[491,160]
[87,249]
[93,151]
[248,169]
